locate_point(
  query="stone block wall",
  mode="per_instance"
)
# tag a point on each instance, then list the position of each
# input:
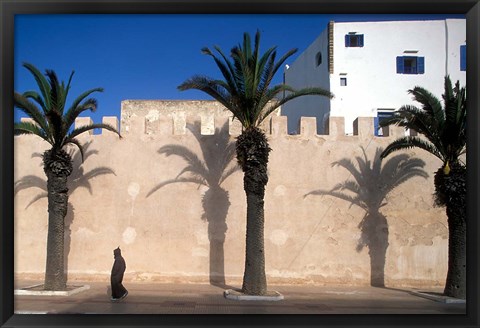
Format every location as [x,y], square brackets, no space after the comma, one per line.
[138,193]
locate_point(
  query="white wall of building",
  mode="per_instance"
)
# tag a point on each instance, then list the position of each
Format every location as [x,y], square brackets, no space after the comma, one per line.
[371,71]
[456,32]
[306,73]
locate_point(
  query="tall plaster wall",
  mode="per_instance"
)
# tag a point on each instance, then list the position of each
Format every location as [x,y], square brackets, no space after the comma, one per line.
[188,232]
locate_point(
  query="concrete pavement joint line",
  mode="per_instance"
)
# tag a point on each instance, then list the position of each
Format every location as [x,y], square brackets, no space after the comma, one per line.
[353,292]
[29,291]
[439,298]
[238,296]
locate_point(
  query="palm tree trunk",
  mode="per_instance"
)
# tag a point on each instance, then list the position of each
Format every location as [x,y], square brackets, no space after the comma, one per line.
[455,285]
[254,279]
[451,191]
[252,154]
[57,166]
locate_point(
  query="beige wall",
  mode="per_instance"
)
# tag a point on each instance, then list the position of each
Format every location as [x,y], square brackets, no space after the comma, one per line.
[176,233]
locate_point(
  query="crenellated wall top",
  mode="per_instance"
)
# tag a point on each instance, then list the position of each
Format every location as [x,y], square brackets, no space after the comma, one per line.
[171,117]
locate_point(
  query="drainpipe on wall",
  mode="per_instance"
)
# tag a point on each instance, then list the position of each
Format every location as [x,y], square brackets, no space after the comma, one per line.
[446,48]
[284,70]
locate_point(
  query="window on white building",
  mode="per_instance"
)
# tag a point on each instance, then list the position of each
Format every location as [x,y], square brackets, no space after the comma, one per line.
[382,114]
[354,40]
[343,81]
[463,58]
[410,65]
[318,59]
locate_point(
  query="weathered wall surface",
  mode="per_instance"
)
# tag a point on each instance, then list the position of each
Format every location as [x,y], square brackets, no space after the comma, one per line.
[187,231]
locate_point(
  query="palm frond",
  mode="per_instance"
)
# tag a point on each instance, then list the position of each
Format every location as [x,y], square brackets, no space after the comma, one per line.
[22,103]
[414,118]
[409,142]
[210,86]
[444,128]
[67,88]
[72,114]
[225,68]
[430,104]
[455,126]
[42,83]
[72,111]
[248,74]
[30,128]
[267,74]
[55,95]
[312,91]
[88,127]
[216,89]
[282,60]
[36,97]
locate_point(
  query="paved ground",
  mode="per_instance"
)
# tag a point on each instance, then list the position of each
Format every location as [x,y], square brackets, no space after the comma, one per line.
[207,299]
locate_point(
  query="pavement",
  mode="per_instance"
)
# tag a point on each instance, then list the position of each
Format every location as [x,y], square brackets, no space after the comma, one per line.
[159,298]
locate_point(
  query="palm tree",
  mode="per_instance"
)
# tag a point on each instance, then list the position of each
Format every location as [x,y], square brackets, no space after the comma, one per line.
[217,153]
[444,131]
[54,125]
[246,92]
[371,185]
[78,179]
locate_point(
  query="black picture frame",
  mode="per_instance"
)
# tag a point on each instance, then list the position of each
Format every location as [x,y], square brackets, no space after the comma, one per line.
[10,8]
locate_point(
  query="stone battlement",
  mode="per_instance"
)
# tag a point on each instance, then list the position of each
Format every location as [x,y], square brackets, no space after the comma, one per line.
[153,117]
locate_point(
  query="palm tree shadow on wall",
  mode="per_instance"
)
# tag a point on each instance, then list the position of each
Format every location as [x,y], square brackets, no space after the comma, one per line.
[218,151]
[369,189]
[78,179]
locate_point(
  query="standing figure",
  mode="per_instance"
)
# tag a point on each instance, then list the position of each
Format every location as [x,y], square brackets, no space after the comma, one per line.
[118,291]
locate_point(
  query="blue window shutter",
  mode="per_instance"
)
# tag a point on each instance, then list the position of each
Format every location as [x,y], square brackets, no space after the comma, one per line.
[375,125]
[347,40]
[399,65]
[360,40]
[420,65]
[463,58]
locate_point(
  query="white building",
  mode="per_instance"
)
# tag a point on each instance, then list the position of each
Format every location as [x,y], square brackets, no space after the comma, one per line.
[369,66]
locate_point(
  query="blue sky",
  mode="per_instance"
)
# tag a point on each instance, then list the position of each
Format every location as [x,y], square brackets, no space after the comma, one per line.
[148,56]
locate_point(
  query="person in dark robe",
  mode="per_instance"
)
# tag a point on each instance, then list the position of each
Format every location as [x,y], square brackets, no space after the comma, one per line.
[118,290]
